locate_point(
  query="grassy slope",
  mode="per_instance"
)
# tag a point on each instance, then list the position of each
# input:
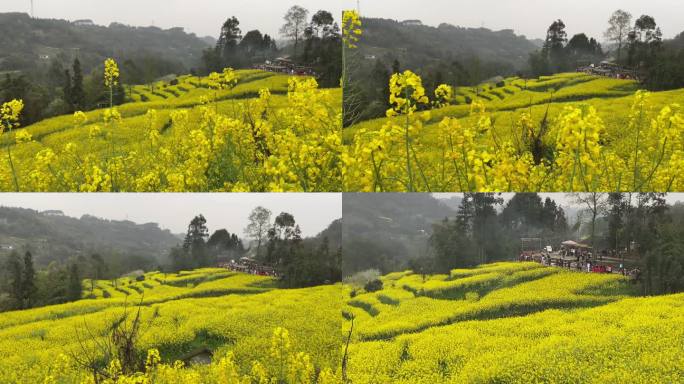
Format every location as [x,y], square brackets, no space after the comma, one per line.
[214,308]
[128,135]
[611,97]
[515,322]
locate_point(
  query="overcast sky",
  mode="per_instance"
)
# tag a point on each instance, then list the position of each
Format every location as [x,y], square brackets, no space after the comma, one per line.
[203,17]
[562,198]
[527,17]
[313,212]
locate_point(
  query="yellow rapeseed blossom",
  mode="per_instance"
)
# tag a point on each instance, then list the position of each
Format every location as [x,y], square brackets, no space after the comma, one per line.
[111,73]
[351,28]
[9,114]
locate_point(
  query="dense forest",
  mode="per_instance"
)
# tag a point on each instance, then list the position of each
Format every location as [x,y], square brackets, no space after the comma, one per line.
[274,242]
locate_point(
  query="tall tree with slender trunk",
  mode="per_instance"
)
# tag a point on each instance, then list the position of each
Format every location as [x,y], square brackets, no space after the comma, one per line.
[257,229]
[295,25]
[596,204]
[619,26]
[28,281]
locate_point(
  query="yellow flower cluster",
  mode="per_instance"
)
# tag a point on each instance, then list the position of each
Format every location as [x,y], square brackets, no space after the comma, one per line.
[300,370]
[406,93]
[351,28]
[573,151]
[175,309]
[9,114]
[444,94]
[111,73]
[224,80]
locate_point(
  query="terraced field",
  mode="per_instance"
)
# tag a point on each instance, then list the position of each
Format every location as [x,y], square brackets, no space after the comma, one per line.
[568,132]
[513,323]
[229,313]
[195,135]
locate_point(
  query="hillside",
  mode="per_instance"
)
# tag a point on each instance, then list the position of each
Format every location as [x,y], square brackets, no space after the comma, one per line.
[27,44]
[514,323]
[54,237]
[417,45]
[188,134]
[521,131]
[237,317]
[385,230]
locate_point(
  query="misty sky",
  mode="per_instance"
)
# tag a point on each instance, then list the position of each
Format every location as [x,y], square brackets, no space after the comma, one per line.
[527,17]
[313,212]
[203,17]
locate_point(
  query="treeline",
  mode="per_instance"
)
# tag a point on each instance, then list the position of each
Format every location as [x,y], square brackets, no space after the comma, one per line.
[314,42]
[638,45]
[199,250]
[482,233]
[559,54]
[639,227]
[23,287]
[645,227]
[35,55]
[275,242]
[444,55]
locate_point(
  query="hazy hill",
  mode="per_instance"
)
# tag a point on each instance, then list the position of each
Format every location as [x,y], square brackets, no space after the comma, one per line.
[51,236]
[386,230]
[417,45]
[27,43]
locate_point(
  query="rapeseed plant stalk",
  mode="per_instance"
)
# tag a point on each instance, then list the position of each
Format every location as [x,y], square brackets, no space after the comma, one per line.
[111,78]
[9,119]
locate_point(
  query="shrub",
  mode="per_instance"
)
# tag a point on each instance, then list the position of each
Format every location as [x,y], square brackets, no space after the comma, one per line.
[373,286]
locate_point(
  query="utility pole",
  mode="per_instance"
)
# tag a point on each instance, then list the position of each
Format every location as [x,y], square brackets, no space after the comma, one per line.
[32,14]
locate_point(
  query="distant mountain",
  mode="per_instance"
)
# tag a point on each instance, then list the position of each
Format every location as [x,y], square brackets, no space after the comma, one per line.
[51,236]
[386,230]
[334,235]
[27,43]
[416,44]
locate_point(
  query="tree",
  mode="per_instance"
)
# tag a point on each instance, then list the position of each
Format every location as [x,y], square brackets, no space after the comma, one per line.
[77,100]
[618,29]
[295,24]
[195,241]
[252,43]
[283,235]
[257,229]
[28,282]
[645,40]
[67,90]
[553,49]
[74,288]
[322,24]
[617,207]
[595,204]
[15,272]
[484,225]
[226,46]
